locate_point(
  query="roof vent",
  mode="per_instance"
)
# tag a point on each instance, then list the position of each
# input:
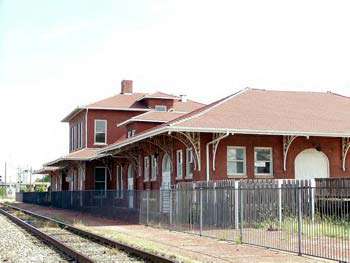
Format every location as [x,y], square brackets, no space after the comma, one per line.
[183,98]
[126,87]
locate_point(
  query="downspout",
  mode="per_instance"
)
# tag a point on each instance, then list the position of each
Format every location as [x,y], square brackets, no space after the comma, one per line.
[207,151]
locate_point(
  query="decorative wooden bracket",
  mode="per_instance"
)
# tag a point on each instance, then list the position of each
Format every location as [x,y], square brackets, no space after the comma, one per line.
[345,149]
[166,145]
[217,137]
[194,139]
[287,141]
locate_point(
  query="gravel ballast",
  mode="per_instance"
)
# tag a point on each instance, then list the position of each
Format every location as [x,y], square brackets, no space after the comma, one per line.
[17,245]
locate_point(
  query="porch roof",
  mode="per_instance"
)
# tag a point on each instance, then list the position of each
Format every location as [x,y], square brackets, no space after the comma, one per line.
[153,116]
[265,112]
[47,169]
[159,95]
[86,154]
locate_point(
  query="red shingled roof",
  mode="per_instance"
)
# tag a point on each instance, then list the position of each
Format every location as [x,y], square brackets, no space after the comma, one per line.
[154,116]
[254,111]
[276,111]
[132,102]
[85,154]
[120,101]
[159,95]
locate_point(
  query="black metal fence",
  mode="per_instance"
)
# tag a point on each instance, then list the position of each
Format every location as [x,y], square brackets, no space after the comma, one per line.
[123,205]
[287,215]
[294,217]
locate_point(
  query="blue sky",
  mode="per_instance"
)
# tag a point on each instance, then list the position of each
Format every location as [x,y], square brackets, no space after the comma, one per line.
[55,55]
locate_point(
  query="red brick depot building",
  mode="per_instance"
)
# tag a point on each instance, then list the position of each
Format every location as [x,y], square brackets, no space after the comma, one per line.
[136,141]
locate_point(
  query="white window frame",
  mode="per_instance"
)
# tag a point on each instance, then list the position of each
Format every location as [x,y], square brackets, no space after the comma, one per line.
[119,188]
[271,162]
[161,108]
[75,144]
[95,133]
[105,181]
[146,167]
[154,168]
[244,174]
[71,138]
[189,161]
[81,134]
[179,164]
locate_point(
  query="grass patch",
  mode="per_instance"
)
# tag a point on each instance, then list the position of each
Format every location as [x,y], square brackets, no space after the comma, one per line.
[326,227]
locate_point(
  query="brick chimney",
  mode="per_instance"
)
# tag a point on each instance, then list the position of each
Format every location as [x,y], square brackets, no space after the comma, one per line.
[126,87]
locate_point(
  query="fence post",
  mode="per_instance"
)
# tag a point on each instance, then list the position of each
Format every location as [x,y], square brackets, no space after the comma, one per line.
[312,187]
[279,183]
[299,220]
[171,207]
[241,213]
[236,206]
[147,207]
[201,211]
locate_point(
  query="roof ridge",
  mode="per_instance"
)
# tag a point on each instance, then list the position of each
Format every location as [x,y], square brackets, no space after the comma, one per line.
[337,94]
[292,91]
[206,108]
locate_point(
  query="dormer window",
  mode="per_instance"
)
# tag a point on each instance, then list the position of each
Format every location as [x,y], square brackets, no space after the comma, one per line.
[160,108]
[131,133]
[100,131]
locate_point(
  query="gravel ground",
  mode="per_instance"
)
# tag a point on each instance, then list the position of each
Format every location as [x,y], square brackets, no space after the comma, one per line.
[16,245]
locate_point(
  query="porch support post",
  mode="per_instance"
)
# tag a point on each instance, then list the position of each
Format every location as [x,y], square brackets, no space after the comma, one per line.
[287,141]
[345,149]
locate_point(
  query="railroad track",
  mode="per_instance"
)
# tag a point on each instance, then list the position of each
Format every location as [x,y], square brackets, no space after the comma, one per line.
[79,245]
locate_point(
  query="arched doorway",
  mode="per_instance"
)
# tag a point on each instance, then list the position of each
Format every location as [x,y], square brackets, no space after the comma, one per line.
[310,164]
[166,172]
[131,186]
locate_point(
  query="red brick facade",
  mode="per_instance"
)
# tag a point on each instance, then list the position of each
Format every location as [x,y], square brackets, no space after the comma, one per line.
[331,147]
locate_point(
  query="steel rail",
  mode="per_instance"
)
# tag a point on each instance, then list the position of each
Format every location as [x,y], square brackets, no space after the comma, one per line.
[78,257]
[100,239]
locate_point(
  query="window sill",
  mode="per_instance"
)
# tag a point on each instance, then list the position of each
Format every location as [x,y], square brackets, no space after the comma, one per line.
[178,178]
[263,176]
[237,176]
[100,144]
[188,177]
[154,180]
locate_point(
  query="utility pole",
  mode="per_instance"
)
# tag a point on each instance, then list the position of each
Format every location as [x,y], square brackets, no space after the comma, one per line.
[5,173]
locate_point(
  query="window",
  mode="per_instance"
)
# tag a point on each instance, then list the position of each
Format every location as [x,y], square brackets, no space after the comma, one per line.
[119,181]
[263,161]
[100,131]
[154,167]
[146,169]
[179,162]
[100,178]
[160,108]
[75,141]
[81,134]
[71,144]
[131,133]
[189,163]
[236,161]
